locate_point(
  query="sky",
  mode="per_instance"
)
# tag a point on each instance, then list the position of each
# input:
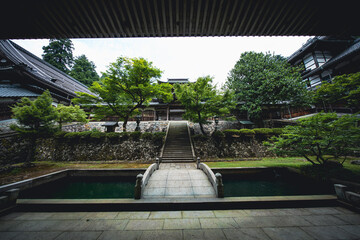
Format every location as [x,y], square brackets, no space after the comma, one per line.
[186,57]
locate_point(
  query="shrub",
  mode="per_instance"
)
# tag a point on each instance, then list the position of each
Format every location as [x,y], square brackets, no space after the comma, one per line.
[84,135]
[72,135]
[147,136]
[113,136]
[158,138]
[263,133]
[218,136]
[97,135]
[135,136]
[59,134]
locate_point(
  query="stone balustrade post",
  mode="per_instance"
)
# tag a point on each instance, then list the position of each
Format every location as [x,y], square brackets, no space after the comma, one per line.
[138,186]
[198,163]
[157,163]
[219,185]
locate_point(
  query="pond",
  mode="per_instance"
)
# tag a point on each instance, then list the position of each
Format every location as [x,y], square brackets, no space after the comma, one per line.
[83,188]
[272,184]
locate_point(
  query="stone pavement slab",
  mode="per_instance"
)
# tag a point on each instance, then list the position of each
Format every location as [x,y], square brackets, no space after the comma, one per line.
[328,233]
[246,234]
[285,233]
[209,234]
[268,224]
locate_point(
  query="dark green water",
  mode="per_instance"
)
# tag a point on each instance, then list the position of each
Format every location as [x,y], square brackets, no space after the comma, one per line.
[83,188]
[267,186]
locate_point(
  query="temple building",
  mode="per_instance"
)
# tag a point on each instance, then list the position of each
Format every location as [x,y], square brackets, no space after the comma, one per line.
[326,57]
[22,74]
[160,111]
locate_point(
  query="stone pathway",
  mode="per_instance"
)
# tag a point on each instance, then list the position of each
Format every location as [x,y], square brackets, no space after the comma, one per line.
[272,224]
[178,180]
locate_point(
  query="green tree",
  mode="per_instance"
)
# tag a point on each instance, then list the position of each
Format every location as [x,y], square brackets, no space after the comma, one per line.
[35,118]
[343,89]
[84,71]
[66,114]
[325,136]
[59,54]
[202,101]
[127,86]
[258,79]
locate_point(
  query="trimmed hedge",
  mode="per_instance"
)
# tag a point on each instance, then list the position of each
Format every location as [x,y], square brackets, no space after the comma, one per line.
[245,134]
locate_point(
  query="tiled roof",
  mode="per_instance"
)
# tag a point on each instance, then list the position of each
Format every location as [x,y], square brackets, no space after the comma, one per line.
[15,90]
[41,70]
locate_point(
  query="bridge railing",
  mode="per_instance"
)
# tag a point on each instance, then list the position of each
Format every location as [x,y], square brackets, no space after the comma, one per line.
[215,179]
[143,179]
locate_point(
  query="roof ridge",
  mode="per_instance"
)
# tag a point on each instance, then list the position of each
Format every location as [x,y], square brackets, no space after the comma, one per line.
[46,63]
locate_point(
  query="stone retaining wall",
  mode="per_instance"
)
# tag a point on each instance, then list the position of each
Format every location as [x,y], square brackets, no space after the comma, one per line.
[211,148]
[97,150]
[210,128]
[151,126]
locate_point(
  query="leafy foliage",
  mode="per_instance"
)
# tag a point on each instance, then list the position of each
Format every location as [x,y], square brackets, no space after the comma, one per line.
[127,86]
[325,136]
[59,54]
[342,89]
[67,114]
[260,79]
[35,117]
[202,101]
[84,71]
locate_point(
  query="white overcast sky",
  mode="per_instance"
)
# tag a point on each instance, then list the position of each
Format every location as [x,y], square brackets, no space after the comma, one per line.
[186,57]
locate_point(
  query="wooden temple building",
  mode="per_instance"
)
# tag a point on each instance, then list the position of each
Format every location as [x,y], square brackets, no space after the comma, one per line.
[160,111]
[22,74]
[326,57]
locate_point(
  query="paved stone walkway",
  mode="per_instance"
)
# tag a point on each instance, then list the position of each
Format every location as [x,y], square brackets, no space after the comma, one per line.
[271,224]
[180,180]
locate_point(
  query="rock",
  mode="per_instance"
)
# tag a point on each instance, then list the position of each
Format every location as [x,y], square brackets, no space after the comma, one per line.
[356,162]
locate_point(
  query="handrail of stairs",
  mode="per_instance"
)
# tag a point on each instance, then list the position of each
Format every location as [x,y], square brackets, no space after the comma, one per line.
[166,135]
[215,179]
[191,142]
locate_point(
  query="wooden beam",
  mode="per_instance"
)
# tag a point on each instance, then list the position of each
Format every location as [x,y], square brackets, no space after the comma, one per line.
[164,16]
[151,19]
[97,12]
[129,17]
[225,18]
[211,18]
[144,20]
[238,22]
[117,21]
[197,18]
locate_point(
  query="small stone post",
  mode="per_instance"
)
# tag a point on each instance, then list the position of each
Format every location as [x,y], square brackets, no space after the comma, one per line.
[340,191]
[157,163]
[219,185]
[198,163]
[12,195]
[138,185]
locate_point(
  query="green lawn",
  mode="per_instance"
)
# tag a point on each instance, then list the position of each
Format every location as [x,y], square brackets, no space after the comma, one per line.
[265,162]
[349,172]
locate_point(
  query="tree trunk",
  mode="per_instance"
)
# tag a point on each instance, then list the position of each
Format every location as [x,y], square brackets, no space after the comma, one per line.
[202,129]
[124,124]
[200,124]
[31,153]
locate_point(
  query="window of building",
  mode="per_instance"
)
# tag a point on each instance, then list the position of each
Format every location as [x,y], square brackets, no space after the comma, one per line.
[314,80]
[322,57]
[309,62]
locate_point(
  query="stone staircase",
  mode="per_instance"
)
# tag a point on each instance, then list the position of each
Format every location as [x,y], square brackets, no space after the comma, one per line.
[177,146]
